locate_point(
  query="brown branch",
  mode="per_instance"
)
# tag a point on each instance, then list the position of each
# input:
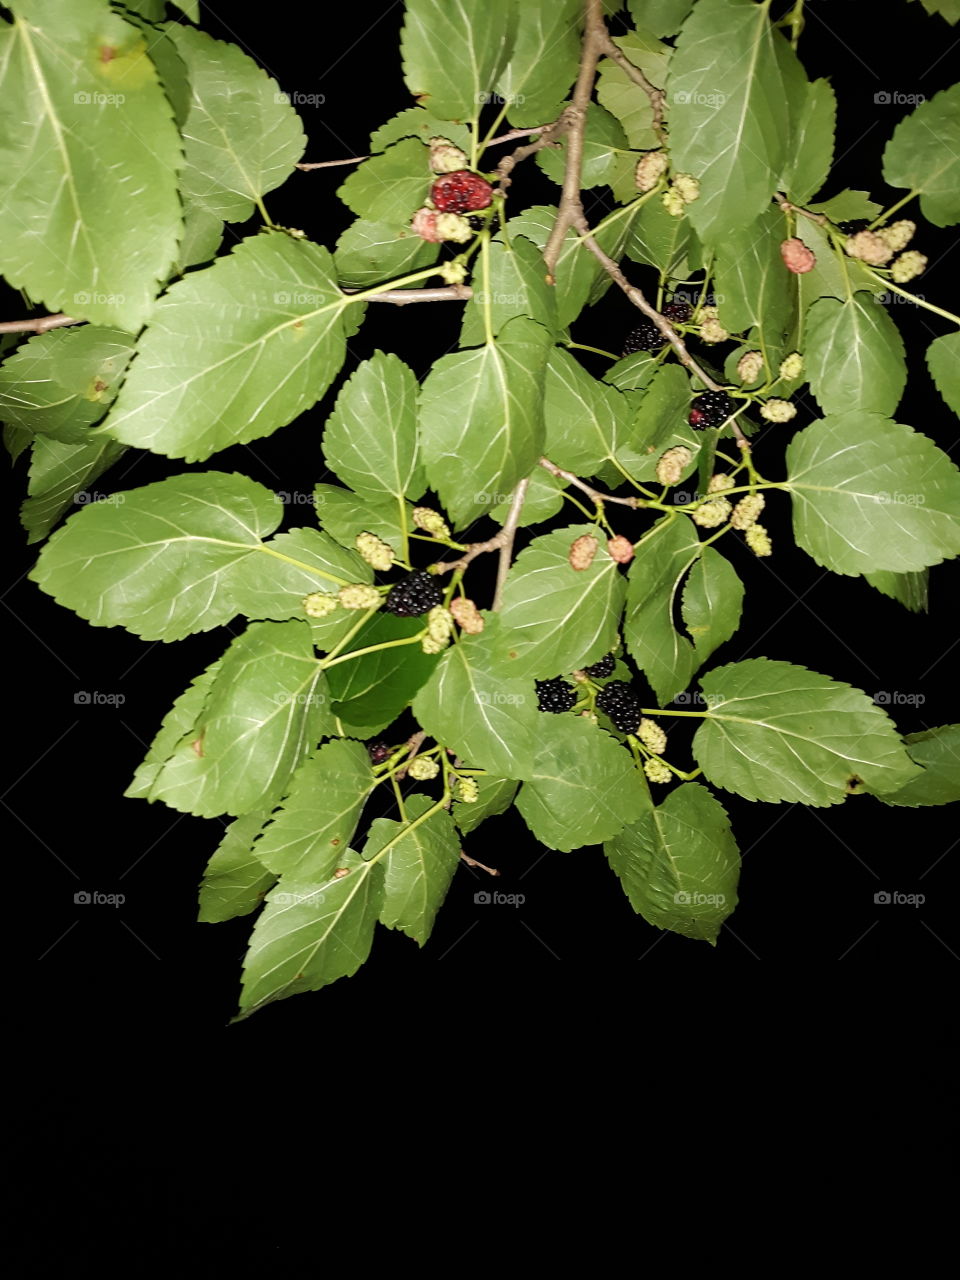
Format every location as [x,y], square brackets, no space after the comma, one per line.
[787,207]
[41,324]
[655,95]
[576,118]
[508,533]
[332,164]
[308,166]
[472,862]
[414,744]
[598,497]
[474,549]
[548,138]
[403,297]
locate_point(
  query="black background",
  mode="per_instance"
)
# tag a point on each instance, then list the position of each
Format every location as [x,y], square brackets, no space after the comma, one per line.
[105,980]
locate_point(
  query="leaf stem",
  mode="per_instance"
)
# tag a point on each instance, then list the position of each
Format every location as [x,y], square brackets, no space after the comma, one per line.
[888,213]
[358,626]
[324,663]
[921,302]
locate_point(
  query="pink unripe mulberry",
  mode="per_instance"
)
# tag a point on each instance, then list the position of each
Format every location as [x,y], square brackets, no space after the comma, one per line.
[582,551]
[797,257]
[621,549]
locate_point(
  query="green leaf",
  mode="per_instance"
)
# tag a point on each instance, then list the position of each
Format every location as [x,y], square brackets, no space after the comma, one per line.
[310,832]
[659,423]
[829,277]
[59,383]
[949,10]
[495,796]
[544,498]
[389,187]
[235,882]
[190,7]
[604,142]
[91,154]
[657,238]
[59,473]
[543,64]
[290,566]
[202,237]
[660,17]
[586,421]
[666,658]
[622,98]
[487,716]
[584,789]
[370,252]
[938,751]
[418,869]
[811,147]
[848,206]
[943,361]
[370,692]
[415,122]
[777,732]
[481,419]
[728,113]
[310,934]
[751,285]
[557,618]
[242,138]
[234,351]
[924,155]
[578,272]
[454,54]
[158,560]
[266,709]
[633,372]
[712,602]
[179,722]
[854,356]
[15,441]
[872,494]
[370,439]
[344,515]
[679,864]
[517,286]
[911,589]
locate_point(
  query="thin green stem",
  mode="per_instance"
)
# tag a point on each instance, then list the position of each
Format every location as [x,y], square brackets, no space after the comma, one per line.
[345,640]
[412,826]
[921,302]
[390,284]
[578,504]
[399,797]
[404,536]
[263,212]
[485,275]
[597,351]
[325,663]
[659,711]
[888,213]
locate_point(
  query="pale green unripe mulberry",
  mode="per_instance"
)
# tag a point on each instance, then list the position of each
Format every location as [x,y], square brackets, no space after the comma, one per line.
[672,464]
[652,736]
[452,272]
[758,540]
[898,235]
[359,596]
[650,169]
[318,604]
[778,410]
[712,514]
[869,247]
[792,366]
[431,521]
[711,330]
[375,551]
[907,266]
[656,771]
[750,366]
[445,157]
[719,482]
[468,790]
[432,644]
[673,202]
[424,768]
[747,511]
[440,623]
[450,226]
[687,187]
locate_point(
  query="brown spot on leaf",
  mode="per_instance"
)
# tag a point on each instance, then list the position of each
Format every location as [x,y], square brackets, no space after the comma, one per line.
[341,872]
[107,52]
[197,746]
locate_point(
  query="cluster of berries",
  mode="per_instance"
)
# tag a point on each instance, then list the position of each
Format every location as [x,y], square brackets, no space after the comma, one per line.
[457,192]
[647,337]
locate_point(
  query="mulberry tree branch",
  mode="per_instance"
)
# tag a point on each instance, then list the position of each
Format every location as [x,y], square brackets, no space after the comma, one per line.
[655,95]
[598,497]
[508,533]
[39,324]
